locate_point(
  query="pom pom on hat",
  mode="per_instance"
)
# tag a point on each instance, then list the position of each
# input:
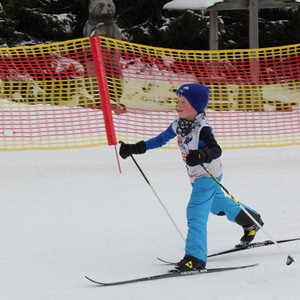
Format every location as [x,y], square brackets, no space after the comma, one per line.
[197,95]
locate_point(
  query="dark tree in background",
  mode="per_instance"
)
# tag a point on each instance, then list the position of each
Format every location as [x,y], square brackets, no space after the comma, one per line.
[38,21]
[277,27]
[147,23]
[280,27]
[144,22]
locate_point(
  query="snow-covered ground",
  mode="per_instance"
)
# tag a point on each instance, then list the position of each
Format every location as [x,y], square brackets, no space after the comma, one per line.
[70,213]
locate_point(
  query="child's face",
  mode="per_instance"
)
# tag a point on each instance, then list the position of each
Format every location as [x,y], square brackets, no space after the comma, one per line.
[184,109]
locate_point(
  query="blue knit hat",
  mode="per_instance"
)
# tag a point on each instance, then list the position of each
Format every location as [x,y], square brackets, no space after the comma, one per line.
[197,95]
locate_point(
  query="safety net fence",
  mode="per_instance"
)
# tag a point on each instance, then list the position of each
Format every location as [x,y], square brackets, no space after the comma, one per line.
[96,91]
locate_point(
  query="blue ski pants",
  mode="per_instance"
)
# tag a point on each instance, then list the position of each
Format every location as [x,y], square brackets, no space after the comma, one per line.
[207,196]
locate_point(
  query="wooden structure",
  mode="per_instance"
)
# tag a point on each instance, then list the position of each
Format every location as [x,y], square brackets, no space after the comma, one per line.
[213,7]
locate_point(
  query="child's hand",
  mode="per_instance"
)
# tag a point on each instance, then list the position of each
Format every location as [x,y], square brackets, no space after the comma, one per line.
[198,157]
[129,149]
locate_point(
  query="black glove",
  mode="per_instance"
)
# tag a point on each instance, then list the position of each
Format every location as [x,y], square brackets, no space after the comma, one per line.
[200,156]
[129,149]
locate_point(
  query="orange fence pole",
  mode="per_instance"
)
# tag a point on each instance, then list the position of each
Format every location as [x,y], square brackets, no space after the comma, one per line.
[104,94]
[103,89]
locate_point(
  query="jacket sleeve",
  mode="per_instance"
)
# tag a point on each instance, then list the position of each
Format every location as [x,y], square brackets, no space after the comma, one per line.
[161,139]
[210,142]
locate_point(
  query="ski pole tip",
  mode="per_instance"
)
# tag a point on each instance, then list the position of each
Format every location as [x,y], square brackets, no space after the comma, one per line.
[290,260]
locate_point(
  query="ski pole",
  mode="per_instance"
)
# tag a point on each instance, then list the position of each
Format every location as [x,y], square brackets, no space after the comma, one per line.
[157,197]
[290,259]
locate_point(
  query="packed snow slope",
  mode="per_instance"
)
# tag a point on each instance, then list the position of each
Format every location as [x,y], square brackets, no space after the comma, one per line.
[70,213]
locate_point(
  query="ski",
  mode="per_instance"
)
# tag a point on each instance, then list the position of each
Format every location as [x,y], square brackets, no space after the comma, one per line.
[240,248]
[170,275]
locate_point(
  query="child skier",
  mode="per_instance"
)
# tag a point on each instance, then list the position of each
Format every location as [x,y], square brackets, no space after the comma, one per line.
[198,147]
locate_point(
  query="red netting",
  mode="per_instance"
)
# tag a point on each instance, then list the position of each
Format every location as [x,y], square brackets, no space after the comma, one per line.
[50,94]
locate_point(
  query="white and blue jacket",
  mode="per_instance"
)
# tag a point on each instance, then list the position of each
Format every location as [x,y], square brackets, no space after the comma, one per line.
[200,137]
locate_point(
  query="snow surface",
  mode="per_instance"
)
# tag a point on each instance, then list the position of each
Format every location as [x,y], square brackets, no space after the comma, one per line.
[191,4]
[70,213]
[197,4]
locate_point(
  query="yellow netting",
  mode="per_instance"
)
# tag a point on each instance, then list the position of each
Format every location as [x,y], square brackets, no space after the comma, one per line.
[50,94]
